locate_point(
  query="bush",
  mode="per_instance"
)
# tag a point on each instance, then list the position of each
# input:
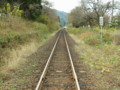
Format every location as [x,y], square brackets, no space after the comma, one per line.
[44,19]
[107,38]
[92,40]
[11,10]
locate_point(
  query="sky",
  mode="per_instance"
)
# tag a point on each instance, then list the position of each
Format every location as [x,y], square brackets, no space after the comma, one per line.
[67,5]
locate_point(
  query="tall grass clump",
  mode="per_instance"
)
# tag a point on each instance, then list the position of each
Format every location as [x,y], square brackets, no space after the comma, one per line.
[15,31]
[92,40]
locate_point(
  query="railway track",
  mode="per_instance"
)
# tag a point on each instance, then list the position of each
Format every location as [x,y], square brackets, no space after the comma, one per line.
[59,72]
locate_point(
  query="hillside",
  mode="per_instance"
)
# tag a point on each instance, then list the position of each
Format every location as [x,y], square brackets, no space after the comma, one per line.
[62,17]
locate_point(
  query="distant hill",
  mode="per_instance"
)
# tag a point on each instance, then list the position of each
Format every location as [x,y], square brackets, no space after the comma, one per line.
[63,18]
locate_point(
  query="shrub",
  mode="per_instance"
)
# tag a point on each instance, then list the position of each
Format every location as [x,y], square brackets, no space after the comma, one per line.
[15,11]
[107,38]
[44,19]
[92,40]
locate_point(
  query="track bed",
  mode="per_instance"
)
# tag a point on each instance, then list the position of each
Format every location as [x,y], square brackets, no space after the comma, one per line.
[59,75]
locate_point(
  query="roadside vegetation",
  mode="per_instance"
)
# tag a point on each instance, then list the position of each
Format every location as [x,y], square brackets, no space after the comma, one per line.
[23,29]
[16,28]
[89,12]
[103,59]
[101,55]
[17,31]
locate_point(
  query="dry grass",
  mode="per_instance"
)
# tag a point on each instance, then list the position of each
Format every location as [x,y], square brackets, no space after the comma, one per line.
[18,56]
[85,35]
[103,62]
[19,38]
[15,70]
[13,23]
[16,61]
[15,36]
[116,37]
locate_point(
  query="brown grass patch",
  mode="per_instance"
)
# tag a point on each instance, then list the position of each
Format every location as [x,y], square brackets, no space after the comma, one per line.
[116,37]
[103,62]
[18,56]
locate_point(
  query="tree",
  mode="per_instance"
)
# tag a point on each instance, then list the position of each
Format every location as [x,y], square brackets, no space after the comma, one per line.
[98,8]
[32,8]
[48,11]
[89,11]
[77,17]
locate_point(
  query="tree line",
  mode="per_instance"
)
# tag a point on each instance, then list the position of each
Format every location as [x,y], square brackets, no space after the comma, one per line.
[39,10]
[89,11]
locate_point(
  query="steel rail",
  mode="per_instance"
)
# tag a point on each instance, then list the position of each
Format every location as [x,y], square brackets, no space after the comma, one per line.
[47,64]
[72,65]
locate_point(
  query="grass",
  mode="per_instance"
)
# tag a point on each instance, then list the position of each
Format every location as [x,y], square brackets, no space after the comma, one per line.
[15,31]
[19,38]
[103,61]
[19,69]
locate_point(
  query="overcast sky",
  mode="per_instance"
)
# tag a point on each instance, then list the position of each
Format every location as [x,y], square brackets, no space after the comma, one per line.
[67,5]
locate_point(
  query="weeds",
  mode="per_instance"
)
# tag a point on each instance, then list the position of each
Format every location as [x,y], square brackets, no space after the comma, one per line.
[116,37]
[15,31]
[103,62]
[102,58]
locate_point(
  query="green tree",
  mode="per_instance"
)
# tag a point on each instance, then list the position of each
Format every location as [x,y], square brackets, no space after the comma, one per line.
[32,8]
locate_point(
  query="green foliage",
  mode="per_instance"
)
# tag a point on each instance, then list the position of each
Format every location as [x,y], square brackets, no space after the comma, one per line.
[92,40]
[92,37]
[97,29]
[74,30]
[101,59]
[95,40]
[115,23]
[20,31]
[39,26]
[8,8]
[77,30]
[44,19]
[99,64]
[31,8]
[97,57]
[107,38]
[15,11]
[33,11]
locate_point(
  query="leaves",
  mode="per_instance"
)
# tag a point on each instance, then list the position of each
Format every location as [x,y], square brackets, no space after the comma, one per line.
[15,11]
